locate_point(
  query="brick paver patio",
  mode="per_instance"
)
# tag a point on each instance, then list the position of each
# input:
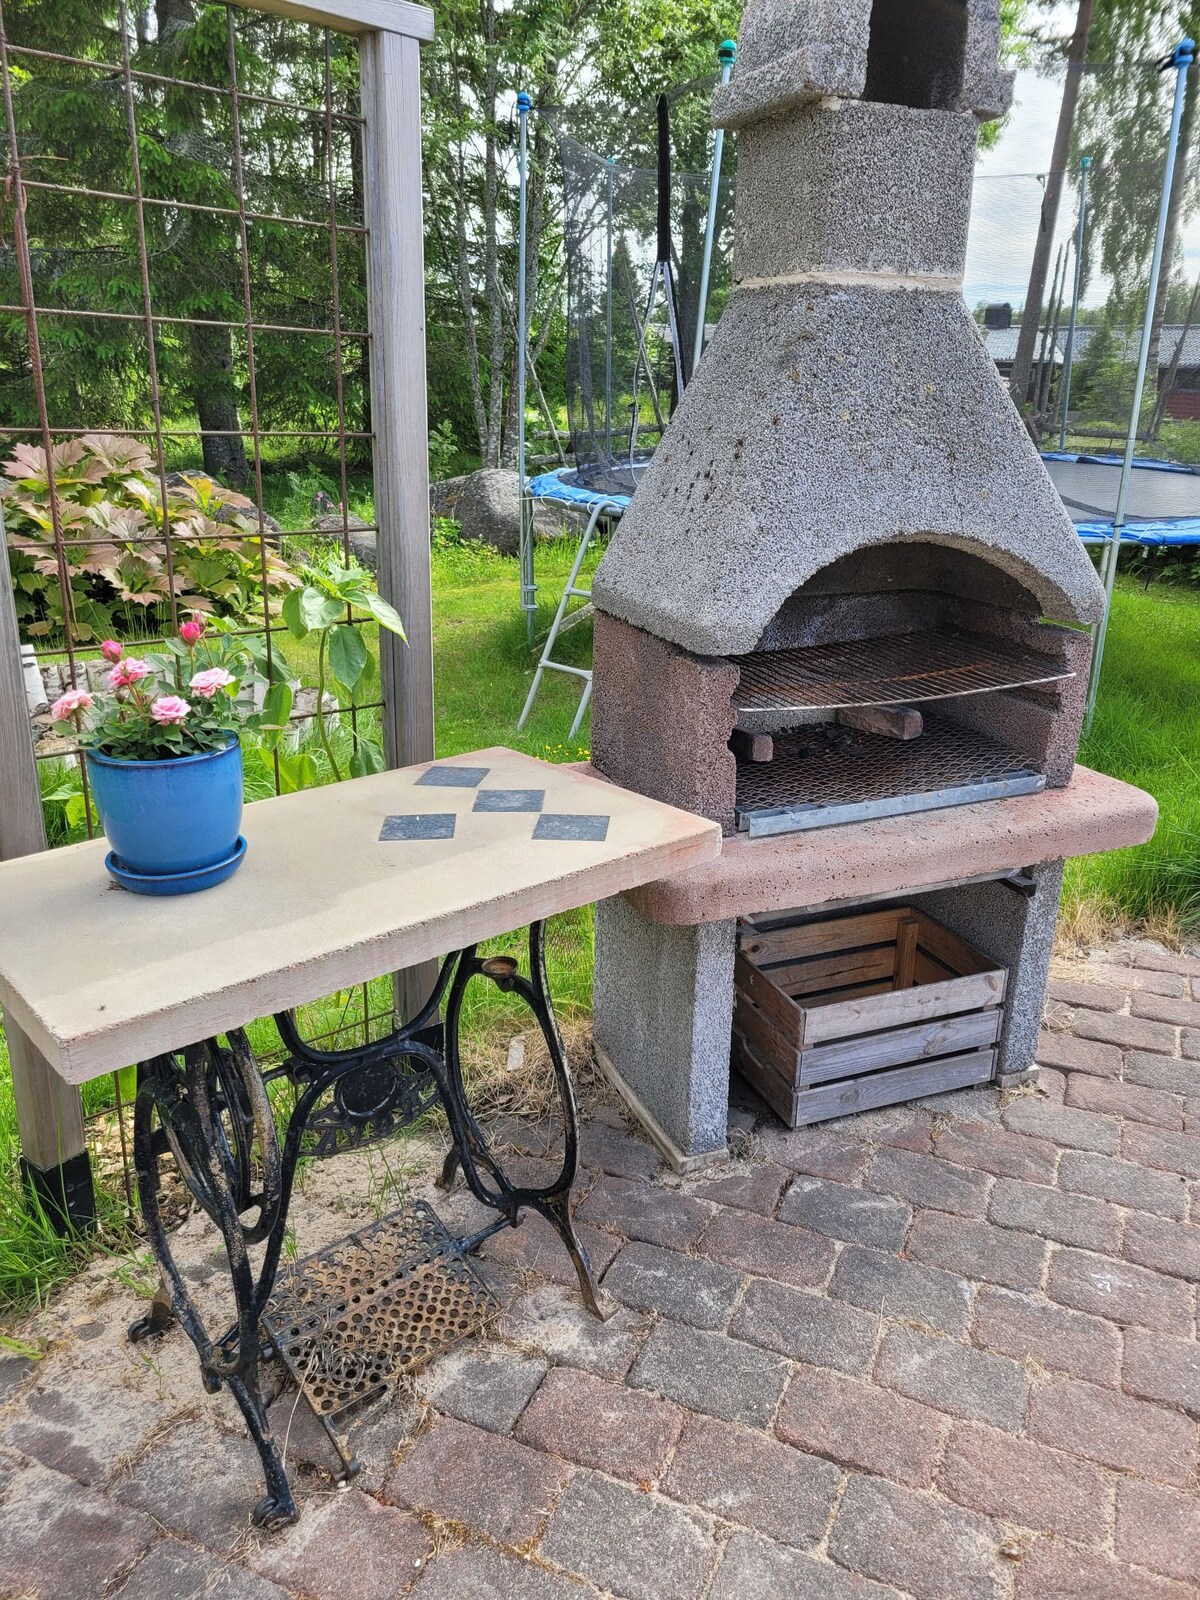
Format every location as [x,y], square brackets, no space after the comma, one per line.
[946,1351]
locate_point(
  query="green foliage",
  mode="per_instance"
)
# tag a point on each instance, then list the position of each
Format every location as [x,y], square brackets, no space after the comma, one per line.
[114,558]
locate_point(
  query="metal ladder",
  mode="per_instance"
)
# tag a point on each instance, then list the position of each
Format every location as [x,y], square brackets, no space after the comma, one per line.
[605,508]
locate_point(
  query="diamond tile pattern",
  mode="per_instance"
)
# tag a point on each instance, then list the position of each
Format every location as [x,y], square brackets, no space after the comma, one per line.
[553,825]
[430,825]
[510,800]
[453,777]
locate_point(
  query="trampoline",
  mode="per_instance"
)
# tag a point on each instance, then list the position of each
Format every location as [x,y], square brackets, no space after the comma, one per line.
[1162,508]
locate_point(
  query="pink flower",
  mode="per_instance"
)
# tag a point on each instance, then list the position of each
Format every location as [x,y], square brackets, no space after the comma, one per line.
[207,683]
[131,670]
[169,708]
[193,631]
[70,704]
[111,650]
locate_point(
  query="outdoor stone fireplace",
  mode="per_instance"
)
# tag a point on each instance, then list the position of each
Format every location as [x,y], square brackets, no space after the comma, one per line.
[846,595]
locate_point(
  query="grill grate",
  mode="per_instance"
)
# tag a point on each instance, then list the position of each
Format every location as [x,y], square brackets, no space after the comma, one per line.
[879,672]
[827,775]
[380,1302]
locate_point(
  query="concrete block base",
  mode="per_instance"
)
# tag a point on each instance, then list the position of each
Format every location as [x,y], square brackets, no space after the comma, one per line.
[663,1021]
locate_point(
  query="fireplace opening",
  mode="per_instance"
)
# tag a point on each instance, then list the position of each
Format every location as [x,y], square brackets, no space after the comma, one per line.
[916,53]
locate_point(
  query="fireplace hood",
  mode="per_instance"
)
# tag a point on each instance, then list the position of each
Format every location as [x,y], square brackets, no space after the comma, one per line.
[846,400]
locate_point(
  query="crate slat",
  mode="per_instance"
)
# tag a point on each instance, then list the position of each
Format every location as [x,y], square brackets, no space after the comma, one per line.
[898,1046]
[822,938]
[902,1006]
[888,1088]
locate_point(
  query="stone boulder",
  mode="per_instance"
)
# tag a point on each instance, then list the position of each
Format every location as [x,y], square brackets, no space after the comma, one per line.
[486,505]
[359,534]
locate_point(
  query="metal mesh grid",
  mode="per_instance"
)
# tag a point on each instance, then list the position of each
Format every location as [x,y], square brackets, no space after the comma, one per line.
[349,1319]
[837,767]
[890,671]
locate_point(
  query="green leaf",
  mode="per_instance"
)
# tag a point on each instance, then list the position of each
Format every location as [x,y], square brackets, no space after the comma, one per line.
[292,617]
[277,708]
[318,610]
[367,758]
[347,655]
[386,616]
[297,771]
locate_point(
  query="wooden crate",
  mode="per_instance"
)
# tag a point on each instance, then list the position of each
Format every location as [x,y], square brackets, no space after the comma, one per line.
[841,1016]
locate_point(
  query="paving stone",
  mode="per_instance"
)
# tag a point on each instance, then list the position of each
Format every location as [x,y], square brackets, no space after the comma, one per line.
[1128,1033]
[535,1246]
[493,1485]
[1073,1219]
[1092,996]
[1114,1429]
[1076,1130]
[1054,1571]
[1061,1340]
[742,1476]
[978,1250]
[197,1482]
[758,1188]
[828,1151]
[926,1181]
[486,1384]
[1160,1148]
[481,1572]
[892,1287]
[1170,1247]
[14,1371]
[640,1546]
[845,1213]
[805,1327]
[929,1548]
[1147,953]
[1159,1529]
[770,1249]
[345,1547]
[1184,1013]
[1027,1483]
[376,1440]
[1123,1182]
[1130,1100]
[1189,1043]
[859,1425]
[755,1569]
[85,1427]
[1158,1367]
[1135,980]
[552,1319]
[909,1126]
[618,1151]
[956,1378]
[599,1424]
[712,1373]
[173,1571]
[1069,1054]
[1162,1072]
[62,1541]
[992,1149]
[683,1287]
[1050,1086]
[645,1211]
[1124,1293]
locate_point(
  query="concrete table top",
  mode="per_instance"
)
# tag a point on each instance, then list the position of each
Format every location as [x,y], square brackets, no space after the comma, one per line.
[340,884]
[887,856]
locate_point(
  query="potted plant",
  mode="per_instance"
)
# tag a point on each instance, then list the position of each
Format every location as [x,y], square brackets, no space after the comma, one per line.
[164,759]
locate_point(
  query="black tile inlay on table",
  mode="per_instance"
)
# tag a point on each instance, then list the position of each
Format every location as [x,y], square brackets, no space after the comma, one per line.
[429,825]
[510,799]
[554,825]
[454,777]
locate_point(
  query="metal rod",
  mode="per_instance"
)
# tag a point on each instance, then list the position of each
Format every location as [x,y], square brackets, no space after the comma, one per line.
[608,312]
[525,536]
[1180,60]
[1085,163]
[727,54]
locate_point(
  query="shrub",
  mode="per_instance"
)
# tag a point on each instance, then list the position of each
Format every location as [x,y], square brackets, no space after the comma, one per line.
[114,524]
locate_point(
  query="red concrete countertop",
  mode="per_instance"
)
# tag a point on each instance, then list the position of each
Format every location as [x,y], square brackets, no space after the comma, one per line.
[904,855]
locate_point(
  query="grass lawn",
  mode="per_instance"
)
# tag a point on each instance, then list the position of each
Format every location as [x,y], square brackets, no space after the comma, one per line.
[1147,730]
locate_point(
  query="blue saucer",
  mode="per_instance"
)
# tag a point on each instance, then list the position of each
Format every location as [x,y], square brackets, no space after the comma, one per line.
[176,882]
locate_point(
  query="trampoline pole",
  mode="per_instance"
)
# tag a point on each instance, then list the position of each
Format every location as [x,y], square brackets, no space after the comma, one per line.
[608,316]
[1085,163]
[726,55]
[1180,59]
[525,534]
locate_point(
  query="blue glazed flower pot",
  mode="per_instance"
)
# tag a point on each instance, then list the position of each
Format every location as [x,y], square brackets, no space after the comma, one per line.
[167,818]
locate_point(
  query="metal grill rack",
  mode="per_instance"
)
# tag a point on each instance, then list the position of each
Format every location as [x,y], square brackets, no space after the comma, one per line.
[897,670]
[827,775]
[348,1320]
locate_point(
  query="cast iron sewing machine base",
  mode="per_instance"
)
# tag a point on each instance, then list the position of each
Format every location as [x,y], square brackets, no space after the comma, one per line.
[208,1107]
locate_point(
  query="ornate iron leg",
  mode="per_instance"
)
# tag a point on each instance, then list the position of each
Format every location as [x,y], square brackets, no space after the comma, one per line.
[212,1110]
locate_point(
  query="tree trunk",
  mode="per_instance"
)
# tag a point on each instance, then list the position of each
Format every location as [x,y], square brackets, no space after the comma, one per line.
[1175,203]
[1031,315]
[215,398]
[491,245]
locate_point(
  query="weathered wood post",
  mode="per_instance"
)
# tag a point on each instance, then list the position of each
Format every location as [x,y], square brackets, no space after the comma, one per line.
[54,1160]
